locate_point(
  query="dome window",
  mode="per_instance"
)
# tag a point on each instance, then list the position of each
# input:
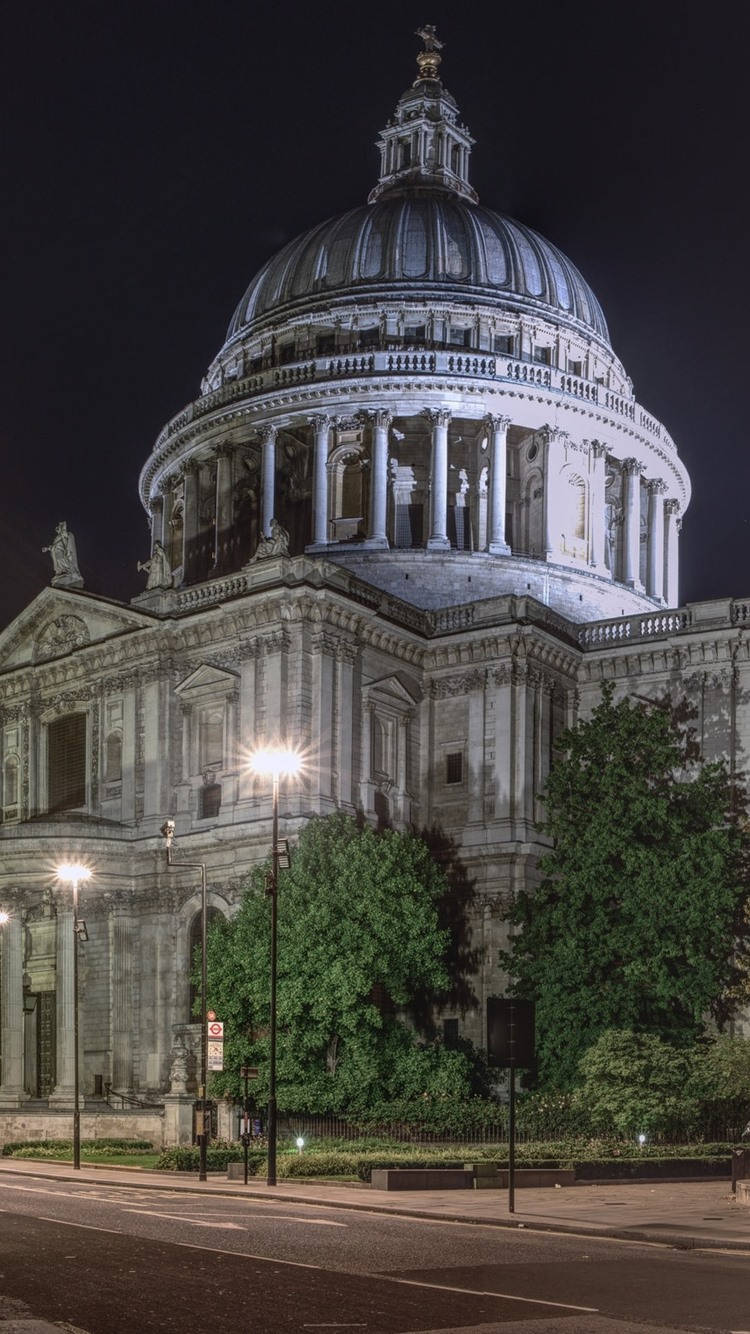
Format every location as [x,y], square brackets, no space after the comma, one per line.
[459,337]
[505,344]
[543,355]
[370,337]
[575,368]
[325,345]
[287,353]
[415,333]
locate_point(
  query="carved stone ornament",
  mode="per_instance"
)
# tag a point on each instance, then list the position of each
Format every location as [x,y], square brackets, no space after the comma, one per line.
[60,636]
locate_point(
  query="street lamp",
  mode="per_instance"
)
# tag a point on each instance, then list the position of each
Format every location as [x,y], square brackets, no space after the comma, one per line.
[167,830]
[274,762]
[72,873]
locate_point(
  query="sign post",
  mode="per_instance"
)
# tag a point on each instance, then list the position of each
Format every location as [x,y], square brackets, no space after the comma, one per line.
[510,1043]
[247,1072]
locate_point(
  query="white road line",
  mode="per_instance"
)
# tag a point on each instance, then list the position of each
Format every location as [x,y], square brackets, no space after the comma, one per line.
[183,1218]
[88,1227]
[482,1292]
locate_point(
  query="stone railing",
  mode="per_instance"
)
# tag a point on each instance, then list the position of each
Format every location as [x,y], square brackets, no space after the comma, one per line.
[626,629]
[218,590]
[417,361]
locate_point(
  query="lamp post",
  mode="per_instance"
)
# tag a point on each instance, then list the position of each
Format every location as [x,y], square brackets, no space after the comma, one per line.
[74,874]
[167,830]
[274,762]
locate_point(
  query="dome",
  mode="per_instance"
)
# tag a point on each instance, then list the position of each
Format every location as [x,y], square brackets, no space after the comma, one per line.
[415,240]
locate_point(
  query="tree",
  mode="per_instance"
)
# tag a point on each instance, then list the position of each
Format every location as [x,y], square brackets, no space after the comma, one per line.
[634,1083]
[359,937]
[638,921]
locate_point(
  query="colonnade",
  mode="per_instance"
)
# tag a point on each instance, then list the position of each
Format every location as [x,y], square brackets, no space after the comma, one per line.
[661,513]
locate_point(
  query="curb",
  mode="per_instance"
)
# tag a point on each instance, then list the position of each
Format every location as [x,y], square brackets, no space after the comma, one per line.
[678,1241]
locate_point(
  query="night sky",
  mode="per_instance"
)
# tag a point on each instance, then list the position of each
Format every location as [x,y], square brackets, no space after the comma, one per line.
[152,156]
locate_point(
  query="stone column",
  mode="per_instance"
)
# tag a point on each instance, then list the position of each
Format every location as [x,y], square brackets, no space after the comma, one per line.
[554,458]
[166,487]
[596,504]
[380,423]
[190,521]
[655,567]
[11,971]
[440,420]
[498,468]
[632,470]
[64,1090]
[268,473]
[672,526]
[322,430]
[224,507]
[122,1001]
[157,522]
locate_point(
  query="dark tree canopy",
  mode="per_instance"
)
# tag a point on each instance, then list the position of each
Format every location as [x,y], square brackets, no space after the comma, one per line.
[359,937]
[638,920]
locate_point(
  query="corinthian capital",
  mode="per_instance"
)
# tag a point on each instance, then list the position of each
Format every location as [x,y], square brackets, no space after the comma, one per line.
[555,433]
[598,450]
[321,422]
[656,486]
[672,508]
[437,416]
[497,422]
[633,467]
[267,433]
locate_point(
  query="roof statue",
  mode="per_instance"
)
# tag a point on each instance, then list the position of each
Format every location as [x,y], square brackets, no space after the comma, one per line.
[62,549]
[157,568]
[429,60]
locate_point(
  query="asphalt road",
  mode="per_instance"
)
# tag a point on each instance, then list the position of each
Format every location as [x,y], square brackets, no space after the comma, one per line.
[119,1260]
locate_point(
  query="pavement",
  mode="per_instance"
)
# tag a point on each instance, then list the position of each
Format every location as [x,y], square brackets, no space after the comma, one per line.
[684,1214]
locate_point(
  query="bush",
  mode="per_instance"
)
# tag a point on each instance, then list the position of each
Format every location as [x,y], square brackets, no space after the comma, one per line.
[634,1083]
[63,1148]
[186,1158]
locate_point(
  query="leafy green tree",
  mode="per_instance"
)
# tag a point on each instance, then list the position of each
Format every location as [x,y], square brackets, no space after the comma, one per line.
[359,937]
[639,917]
[634,1083]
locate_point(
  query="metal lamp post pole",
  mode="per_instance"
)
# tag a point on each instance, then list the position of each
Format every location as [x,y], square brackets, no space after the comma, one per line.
[76,1072]
[168,832]
[271,1180]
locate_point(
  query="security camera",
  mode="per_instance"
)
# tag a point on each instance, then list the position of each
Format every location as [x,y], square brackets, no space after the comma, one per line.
[167,831]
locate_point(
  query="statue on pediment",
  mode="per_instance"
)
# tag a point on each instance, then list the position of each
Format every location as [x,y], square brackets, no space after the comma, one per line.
[157,568]
[62,549]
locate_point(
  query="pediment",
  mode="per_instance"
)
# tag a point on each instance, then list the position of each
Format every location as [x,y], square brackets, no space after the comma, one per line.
[61,621]
[390,687]
[206,680]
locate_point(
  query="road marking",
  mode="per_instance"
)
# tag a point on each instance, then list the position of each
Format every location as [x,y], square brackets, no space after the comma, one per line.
[482,1292]
[240,1227]
[88,1227]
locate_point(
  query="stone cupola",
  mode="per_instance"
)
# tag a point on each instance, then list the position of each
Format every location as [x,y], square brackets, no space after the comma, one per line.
[425,146]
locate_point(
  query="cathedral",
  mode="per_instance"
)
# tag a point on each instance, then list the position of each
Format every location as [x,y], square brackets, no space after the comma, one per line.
[415,516]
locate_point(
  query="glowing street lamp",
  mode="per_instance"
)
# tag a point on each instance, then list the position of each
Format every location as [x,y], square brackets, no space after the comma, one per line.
[274,762]
[74,874]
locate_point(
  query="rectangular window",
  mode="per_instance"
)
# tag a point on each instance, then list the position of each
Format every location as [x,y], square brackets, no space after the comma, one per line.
[450,1032]
[325,344]
[459,337]
[505,344]
[209,801]
[369,337]
[66,762]
[454,767]
[211,738]
[415,333]
[543,355]
[575,368]
[287,353]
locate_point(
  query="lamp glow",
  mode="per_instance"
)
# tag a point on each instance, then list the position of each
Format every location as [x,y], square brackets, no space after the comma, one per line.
[300,1143]
[275,762]
[72,873]
[4,917]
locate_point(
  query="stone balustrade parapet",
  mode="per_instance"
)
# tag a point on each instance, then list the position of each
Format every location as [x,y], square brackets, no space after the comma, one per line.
[628,629]
[420,361]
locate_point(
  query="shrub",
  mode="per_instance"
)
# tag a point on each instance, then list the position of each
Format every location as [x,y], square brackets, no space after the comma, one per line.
[186,1158]
[63,1148]
[635,1083]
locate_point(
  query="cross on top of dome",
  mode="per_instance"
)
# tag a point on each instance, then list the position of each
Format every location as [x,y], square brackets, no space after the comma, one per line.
[425,146]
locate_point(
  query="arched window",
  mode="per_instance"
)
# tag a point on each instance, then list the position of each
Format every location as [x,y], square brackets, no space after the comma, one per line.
[113,758]
[194,957]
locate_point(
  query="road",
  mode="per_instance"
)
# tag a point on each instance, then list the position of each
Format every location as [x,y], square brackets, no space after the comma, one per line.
[108,1260]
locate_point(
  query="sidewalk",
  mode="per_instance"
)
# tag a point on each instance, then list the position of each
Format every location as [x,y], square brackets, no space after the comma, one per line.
[685,1214]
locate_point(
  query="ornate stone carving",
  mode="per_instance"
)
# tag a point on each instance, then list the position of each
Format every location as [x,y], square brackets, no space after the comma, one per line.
[62,549]
[656,486]
[633,467]
[277,544]
[157,568]
[437,416]
[497,421]
[60,636]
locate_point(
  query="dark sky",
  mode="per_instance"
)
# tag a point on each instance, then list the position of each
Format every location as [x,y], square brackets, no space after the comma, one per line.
[153,155]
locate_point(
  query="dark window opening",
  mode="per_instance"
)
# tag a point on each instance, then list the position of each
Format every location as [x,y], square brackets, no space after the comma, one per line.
[404,154]
[209,801]
[256,364]
[459,337]
[543,355]
[66,762]
[575,368]
[504,344]
[454,767]
[325,344]
[370,337]
[450,1032]
[287,353]
[415,333]
[455,159]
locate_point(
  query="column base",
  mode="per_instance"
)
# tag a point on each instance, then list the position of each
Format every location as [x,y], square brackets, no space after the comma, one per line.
[438,544]
[12,1097]
[499,549]
[374,544]
[62,1099]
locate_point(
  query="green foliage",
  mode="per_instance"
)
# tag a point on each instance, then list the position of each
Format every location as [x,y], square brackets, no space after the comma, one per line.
[186,1158]
[359,937]
[63,1148]
[720,1081]
[638,919]
[635,1083]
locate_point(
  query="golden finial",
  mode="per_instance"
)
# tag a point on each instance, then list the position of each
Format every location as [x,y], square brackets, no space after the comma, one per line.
[429,59]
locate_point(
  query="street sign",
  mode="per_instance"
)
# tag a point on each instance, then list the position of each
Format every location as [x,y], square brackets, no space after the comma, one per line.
[510,1032]
[250,1072]
[215,1054]
[216,1030]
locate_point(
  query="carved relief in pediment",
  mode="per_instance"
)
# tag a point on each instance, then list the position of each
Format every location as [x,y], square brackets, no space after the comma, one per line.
[60,636]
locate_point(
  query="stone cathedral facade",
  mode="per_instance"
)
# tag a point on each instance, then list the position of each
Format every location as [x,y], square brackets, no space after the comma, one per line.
[415,516]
